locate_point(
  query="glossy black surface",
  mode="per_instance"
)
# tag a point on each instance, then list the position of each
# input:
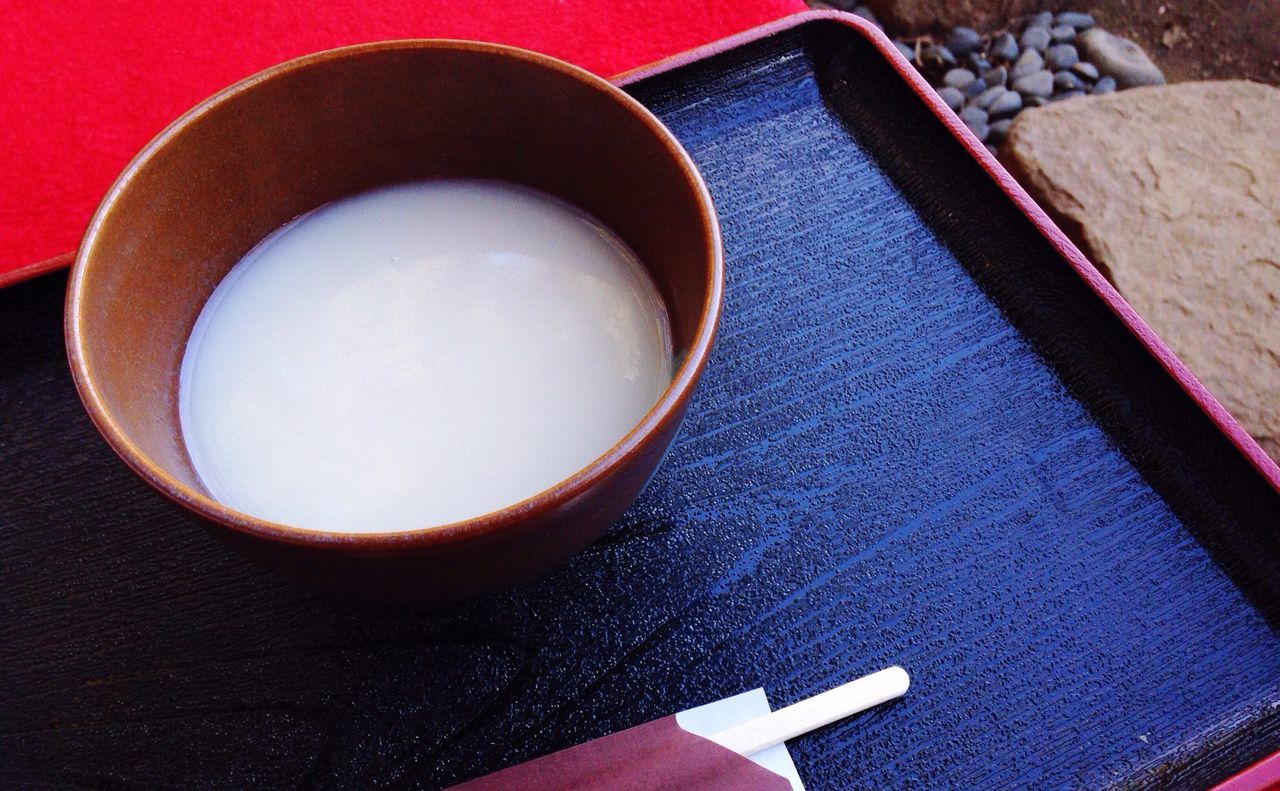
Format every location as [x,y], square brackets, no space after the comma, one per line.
[921,441]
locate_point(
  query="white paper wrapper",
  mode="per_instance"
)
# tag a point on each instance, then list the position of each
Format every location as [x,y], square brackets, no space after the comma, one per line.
[723,714]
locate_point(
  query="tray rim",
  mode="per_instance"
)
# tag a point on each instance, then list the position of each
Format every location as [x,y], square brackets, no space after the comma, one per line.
[1262,775]
[1265,773]
[1079,263]
[36,268]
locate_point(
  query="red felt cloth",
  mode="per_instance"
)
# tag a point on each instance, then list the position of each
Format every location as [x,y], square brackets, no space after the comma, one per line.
[84,85]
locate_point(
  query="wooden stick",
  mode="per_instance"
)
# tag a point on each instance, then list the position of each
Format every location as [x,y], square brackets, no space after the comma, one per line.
[809,714]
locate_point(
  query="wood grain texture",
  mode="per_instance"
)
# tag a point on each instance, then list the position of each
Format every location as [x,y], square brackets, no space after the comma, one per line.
[920,441]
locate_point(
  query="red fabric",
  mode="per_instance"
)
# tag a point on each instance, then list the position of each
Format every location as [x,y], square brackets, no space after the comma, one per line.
[84,85]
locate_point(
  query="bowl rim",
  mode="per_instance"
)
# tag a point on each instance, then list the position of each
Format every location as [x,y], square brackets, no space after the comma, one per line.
[668,406]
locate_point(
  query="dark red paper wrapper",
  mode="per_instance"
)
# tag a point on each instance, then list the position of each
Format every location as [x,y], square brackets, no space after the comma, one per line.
[656,755]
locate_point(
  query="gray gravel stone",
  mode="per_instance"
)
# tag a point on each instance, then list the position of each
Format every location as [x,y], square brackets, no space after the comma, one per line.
[1029,63]
[985,99]
[1074,19]
[1104,85]
[997,76]
[1038,84]
[973,115]
[1004,47]
[908,52]
[976,120]
[937,55]
[953,97]
[1066,95]
[1119,58]
[963,40]
[1034,101]
[1006,105]
[1086,70]
[958,78]
[1043,19]
[1066,81]
[1061,56]
[974,88]
[999,130]
[1036,38]
[1062,34]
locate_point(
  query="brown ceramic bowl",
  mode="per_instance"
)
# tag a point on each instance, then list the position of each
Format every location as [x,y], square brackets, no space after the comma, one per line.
[325,126]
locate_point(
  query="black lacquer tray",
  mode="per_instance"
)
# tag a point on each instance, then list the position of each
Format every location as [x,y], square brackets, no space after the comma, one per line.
[925,438]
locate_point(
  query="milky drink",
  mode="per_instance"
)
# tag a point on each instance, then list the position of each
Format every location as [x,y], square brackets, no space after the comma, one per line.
[417,355]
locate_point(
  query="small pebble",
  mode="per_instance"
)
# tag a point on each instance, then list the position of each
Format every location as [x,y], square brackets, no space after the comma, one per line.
[867,14]
[1104,85]
[976,120]
[1120,58]
[1036,38]
[908,52]
[1029,63]
[975,88]
[1004,47]
[952,96]
[985,99]
[1067,95]
[1066,81]
[963,40]
[999,130]
[1074,19]
[1043,19]
[1086,70]
[937,55]
[977,63]
[1034,101]
[1038,84]
[997,76]
[1061,56]
[958,78]
[1062,34]
[1006,105]
[973,115]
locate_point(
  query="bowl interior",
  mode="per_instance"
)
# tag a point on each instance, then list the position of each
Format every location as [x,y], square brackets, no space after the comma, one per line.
[311,131]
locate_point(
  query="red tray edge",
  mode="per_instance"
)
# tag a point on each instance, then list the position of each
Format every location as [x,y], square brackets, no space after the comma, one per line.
[1093,278]
[28,271]
[1264,774]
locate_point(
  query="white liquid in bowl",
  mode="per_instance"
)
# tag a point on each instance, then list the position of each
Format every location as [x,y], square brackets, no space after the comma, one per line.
[417,355]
